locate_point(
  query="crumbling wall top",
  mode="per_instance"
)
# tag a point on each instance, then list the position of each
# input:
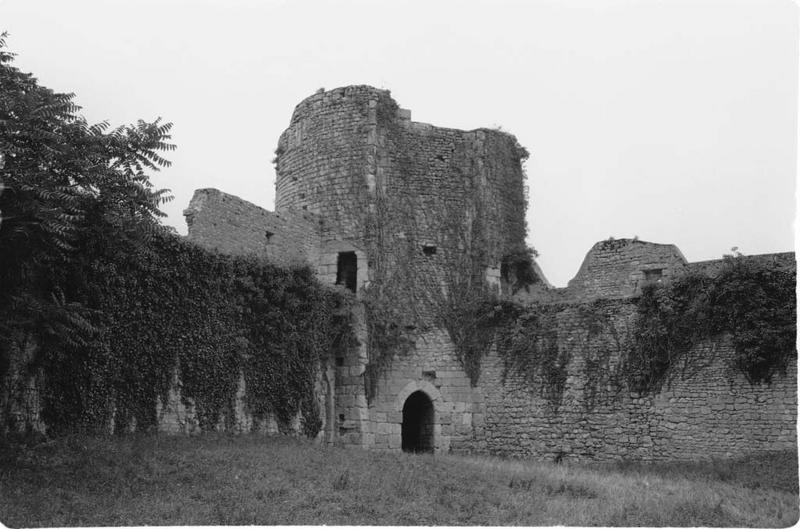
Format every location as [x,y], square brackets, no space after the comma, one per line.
[226,223]
[618,267]
[783,260]
[337,95]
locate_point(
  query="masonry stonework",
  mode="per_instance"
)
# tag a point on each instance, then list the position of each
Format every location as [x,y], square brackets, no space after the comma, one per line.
[358,182]
[231,225]
[707,410]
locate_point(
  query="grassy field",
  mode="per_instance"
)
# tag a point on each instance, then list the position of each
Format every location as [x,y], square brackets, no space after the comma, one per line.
[218,479]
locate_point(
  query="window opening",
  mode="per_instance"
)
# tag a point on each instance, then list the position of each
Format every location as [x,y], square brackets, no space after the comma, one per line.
[654,275]
[347,270]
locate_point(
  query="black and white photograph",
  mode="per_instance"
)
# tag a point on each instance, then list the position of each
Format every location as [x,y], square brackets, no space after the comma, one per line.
[398,263]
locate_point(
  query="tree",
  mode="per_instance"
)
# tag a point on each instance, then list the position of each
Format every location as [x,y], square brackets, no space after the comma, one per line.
[60,180]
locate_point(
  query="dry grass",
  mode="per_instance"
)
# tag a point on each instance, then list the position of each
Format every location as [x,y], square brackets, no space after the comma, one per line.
[243,480]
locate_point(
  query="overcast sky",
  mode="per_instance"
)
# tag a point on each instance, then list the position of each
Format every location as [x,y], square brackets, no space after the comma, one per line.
[672,121]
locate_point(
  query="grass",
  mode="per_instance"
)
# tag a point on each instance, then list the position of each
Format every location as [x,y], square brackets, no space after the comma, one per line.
[243,480]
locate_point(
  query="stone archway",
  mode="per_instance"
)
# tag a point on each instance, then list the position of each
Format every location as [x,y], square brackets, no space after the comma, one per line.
[418,421]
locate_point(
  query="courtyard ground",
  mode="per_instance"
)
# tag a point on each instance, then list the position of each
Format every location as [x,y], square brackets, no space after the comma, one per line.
[251,479]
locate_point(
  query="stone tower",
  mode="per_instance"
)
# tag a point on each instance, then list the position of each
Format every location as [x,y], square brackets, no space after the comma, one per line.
[374,177]
[405,209]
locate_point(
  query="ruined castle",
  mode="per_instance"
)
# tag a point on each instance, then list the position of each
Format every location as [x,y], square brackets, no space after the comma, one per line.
[371,199]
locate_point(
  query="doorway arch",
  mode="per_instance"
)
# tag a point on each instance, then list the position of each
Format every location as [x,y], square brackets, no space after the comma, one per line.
[418,421]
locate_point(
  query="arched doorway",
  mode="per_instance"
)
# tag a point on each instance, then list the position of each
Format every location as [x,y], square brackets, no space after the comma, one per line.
[417,428]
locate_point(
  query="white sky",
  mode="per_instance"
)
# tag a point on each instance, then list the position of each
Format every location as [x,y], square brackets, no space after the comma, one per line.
[674,121]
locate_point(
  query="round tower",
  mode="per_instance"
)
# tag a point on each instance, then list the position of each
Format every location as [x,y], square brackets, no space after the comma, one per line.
[375,177]
[416,219]
[322,158]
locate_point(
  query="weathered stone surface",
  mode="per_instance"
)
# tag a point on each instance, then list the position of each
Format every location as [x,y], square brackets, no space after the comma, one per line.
[228,224]
[709,411]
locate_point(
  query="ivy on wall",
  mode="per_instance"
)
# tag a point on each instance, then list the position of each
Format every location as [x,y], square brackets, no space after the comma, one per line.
[394,216]
[603,342]
[447,289]
[170,308]
[752,301]
[529,345]
[525,337]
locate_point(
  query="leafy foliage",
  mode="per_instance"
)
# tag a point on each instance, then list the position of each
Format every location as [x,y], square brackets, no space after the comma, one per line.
[59,174]
[386,337]
[117,304]
[526,338]
[448,289]
[604,379]
[471,319]
[517,268]
[752,301]
[178,309]
[529,345]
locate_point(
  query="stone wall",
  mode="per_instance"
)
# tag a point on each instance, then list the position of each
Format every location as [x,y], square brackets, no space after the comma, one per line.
[177,414]
[707,409]
[783,260]
[226,223]
[452,188]
[618,268]
[395,189]
[433,369]
[321,160]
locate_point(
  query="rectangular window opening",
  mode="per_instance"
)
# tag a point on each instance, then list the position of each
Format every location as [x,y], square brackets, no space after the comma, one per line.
[654,275]
[347,270]
[429,250]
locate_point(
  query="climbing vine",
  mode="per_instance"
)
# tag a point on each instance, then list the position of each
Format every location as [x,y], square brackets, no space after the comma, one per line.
[517,268]
[529,345]
[752,301]
[176,309]
[602,345]
[410,291]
